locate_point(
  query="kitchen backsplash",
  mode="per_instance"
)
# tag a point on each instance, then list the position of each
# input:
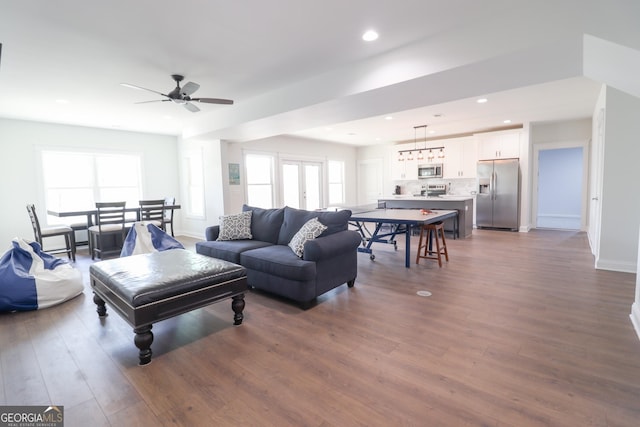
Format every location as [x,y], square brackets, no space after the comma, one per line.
[462,187]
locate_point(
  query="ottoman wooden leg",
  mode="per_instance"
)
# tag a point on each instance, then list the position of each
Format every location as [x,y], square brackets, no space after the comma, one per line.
[237,304]
[143,340]
[101,309]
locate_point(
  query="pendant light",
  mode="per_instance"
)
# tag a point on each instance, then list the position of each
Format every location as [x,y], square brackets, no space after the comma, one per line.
[415,140]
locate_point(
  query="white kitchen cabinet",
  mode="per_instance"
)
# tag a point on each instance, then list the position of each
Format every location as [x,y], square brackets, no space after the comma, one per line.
[461,155]
[498,145]
[406,170]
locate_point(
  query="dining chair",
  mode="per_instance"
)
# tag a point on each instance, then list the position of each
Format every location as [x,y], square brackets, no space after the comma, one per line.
[110,223]
[152,211]
[167,219]
[58,230]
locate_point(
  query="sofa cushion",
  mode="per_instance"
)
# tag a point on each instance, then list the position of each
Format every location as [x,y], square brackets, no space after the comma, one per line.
[309,231]
[265,223]
[235,227]
[294,219]
[278,260]
[228,250]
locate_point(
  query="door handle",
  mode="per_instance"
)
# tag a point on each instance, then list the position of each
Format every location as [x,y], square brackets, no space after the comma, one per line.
[493,185]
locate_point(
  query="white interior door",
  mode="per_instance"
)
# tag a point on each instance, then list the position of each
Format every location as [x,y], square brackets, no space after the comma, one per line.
[302,184]
[595,185]
[370,181]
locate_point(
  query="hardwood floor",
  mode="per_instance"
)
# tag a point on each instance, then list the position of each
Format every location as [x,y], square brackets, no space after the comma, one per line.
[520,330]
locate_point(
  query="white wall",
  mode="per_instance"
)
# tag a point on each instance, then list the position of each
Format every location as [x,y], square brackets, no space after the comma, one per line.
[288,147]
[620,219]
[635,307]
[211,155]
[385,154]
[222,198]
[560,131]
[20,168]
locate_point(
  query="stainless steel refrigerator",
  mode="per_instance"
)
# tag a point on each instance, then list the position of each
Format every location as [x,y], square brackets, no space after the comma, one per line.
[498,198]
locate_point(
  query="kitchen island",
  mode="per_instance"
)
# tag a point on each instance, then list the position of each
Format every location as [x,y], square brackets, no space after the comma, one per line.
[463,204]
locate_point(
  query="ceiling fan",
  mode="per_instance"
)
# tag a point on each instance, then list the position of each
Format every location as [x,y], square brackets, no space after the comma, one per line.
[181,95]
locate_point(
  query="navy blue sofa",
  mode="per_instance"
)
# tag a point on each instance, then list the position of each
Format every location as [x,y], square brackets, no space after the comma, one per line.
[328,261]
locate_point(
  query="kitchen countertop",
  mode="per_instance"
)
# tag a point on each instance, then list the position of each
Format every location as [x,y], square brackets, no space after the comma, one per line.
[462,203]
[451,197]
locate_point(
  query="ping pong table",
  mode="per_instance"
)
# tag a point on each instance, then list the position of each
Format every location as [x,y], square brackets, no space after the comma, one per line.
[399,221]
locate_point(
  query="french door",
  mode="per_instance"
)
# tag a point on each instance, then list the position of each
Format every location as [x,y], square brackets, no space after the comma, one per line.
[302,184]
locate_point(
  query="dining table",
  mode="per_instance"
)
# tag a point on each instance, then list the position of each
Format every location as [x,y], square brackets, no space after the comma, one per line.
[91,213]
[400,221]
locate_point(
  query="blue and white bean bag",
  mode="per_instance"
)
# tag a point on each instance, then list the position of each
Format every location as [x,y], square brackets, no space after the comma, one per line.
[31,279]
[144,238]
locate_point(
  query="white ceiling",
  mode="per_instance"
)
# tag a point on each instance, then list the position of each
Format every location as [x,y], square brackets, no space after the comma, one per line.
[255,51]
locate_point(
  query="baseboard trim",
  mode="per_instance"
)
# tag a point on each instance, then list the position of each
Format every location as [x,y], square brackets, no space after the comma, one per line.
[192,235]
[559,222]
[635,317]
[623,267]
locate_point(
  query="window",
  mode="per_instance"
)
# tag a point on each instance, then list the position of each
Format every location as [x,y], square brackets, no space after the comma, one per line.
[76,180]
[336,182]
[259,173]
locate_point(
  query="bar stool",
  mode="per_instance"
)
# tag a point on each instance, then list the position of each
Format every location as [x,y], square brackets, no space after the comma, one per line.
[428,233]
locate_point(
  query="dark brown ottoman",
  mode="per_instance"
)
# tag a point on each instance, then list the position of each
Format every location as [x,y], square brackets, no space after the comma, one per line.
[147,288]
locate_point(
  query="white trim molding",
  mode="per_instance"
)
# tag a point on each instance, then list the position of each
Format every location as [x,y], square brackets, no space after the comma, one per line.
[635,317]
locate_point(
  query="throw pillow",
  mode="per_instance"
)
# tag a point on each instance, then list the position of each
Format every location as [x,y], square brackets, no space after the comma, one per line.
[294,219]
[235,227]
[309,231]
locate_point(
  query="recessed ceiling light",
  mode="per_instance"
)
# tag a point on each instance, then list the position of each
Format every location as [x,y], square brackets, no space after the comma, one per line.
[388,118]
[432,131]
[507,121]
[370,36]
[437,115]
[482,100]
[351,134]
[328,129]
[62,101]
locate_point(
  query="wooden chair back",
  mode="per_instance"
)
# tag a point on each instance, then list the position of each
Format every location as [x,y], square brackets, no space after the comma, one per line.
[110,216]
[152,211]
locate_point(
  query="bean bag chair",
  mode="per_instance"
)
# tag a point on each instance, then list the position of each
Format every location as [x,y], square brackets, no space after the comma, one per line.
[31,279]
[144,238]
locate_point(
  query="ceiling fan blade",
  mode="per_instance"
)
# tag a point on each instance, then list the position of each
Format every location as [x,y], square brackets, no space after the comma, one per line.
[155,100]
[141,88]
[189,88]
[213,100]
[189,106]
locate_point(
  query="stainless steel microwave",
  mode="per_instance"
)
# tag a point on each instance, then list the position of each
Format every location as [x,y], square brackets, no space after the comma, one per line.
[433,170]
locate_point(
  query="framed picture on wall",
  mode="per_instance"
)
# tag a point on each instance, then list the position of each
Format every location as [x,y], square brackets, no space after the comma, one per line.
[234,174]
